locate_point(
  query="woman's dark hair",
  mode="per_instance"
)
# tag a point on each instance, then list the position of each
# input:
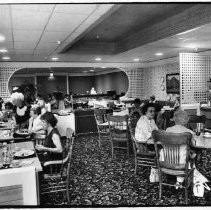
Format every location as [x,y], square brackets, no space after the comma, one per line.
[49,118]
[9,105]
[36,110]
[145,107]
[137,101]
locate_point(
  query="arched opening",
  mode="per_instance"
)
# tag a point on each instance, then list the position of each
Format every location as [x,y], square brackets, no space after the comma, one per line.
[76,80]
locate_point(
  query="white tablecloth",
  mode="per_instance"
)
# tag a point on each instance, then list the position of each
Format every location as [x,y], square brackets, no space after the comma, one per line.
[65,122]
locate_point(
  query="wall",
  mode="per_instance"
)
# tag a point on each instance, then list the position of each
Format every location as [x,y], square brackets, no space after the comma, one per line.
[45,86]
[195,72]
[114,81]
[80,84]
[17,81]
[152,80]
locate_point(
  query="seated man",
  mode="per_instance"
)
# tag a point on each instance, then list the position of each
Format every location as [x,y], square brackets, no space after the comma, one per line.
[145,125]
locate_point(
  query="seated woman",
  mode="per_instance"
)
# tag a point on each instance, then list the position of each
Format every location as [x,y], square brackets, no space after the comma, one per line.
[136,110]
[35,124]
[7,114]
[181,119]
[52,148]
[145,126]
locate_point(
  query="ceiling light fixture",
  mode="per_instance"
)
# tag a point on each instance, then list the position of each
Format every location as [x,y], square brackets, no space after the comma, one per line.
[3,50]
[98,59]
[58,42]
[159,54]
[54,59]
[185,32]
[136,59]
[92,70]
[6,58]
[103,67]
[2,37]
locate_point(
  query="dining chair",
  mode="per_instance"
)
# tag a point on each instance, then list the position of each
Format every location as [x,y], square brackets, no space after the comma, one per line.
[119,133]
[174,147]
[143,157]
[58,170]
[102,126]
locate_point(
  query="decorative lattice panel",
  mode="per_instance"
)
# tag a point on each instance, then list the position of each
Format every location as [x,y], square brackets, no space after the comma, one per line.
[195,71]
[135,77]
[5,74]
[152,81]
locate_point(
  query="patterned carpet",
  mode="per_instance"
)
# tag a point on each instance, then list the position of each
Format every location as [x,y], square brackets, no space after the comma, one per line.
[97,180]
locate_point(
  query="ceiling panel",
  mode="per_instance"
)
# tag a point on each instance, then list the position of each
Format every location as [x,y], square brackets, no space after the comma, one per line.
[27,20]
[7,45]
[64,22]
[75,8]
[22,51]
[24,45]
[33,7]
[47,45]
[7,33]
[5,22]
[44,52]
[54,36]
[26,35]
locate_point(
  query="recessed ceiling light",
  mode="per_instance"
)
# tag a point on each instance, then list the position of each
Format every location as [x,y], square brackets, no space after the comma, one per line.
[3,50]
[92,70]
[103,67]
[136,59]
[2,37]
[6,58]
[159,54]
[54,59]
[58,42]
[98,59]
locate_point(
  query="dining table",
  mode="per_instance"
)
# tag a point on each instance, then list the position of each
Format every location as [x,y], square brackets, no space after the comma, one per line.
[31,159]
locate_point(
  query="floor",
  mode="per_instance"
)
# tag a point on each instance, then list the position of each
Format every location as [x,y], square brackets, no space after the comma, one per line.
[98,180]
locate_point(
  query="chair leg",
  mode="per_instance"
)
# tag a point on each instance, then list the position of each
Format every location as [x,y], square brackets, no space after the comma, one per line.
[135,165]
[160,186]
[99,140]
[186,191]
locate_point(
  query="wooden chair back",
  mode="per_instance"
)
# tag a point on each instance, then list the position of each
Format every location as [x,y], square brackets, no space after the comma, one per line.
[118,124]
[100,116]
[171,143]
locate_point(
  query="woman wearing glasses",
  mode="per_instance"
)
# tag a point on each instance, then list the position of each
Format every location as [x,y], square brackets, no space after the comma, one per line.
[52,148]
[145,126]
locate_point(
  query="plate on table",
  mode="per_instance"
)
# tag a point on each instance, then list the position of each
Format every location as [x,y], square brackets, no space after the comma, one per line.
[207,135]
[24,153]
[22,132]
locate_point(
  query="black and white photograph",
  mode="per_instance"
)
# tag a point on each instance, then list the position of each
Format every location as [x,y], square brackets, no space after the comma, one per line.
[105,104]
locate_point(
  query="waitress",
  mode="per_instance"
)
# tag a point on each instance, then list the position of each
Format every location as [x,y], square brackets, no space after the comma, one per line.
[21,110]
